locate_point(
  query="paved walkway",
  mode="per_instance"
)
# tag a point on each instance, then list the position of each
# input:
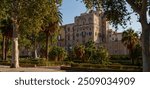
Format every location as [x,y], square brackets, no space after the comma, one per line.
[30,69]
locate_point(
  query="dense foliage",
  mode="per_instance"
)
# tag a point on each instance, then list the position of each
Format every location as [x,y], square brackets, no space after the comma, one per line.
[90,53]
[28,16]
[117,12]
[130,39]
[57,53]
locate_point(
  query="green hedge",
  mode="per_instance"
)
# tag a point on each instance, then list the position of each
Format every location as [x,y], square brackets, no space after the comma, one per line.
[112,66]
[5,63]
[119,57]
[36,62]
[125,60]
[83,69]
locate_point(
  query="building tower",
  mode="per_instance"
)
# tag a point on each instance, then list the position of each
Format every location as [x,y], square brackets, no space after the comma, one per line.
[91,26]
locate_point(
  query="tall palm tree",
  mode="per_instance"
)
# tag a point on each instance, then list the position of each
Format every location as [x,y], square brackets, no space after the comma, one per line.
[130,39]
[51,24]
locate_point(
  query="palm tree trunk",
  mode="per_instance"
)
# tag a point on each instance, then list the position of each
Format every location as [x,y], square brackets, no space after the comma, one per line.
[131,56]
[3,48]
[15,50]
[146,47]
[47,45]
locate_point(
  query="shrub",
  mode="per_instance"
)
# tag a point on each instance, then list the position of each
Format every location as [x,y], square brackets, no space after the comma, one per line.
[57,53]
[5,62]
[71,56]
[79,51]
[101,56]
[90,54]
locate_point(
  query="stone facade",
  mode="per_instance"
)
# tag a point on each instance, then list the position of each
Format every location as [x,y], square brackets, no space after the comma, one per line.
[91,26]
[114,43]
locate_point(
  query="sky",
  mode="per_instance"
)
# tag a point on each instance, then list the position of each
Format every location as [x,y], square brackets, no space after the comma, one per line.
[72,8]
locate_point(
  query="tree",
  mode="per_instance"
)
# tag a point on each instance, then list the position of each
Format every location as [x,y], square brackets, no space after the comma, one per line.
[79,51]
[130,40]
[102,56]
[1,46]
[90,49]
[29,41]
[6,30]
[58,53]
[25,14]
[90,44]
[52,22]
[117,13]
[137,54]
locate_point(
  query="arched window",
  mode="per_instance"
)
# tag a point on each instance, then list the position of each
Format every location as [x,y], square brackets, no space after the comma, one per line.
[84,21]
[90,20]
[59,37]
[90,33]
[83,34]
[69,37]
[68,29]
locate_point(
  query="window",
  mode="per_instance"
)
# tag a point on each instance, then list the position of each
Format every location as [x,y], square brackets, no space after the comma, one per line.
[73,37]
[84,21]
[87,34]
[90,20]
[110,35]
[68,29]
[115,51]
[90,33]
[83,34]
[90,29]
[59,37]
[68,37]
[73,28]
[77,34]
[113,39]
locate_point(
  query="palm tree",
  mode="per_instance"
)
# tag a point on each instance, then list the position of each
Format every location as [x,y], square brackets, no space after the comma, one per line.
[130,39]
[51,24]
[58,53]
[79,52]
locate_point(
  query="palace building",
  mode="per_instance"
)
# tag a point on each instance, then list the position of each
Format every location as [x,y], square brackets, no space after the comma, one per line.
[91,26]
